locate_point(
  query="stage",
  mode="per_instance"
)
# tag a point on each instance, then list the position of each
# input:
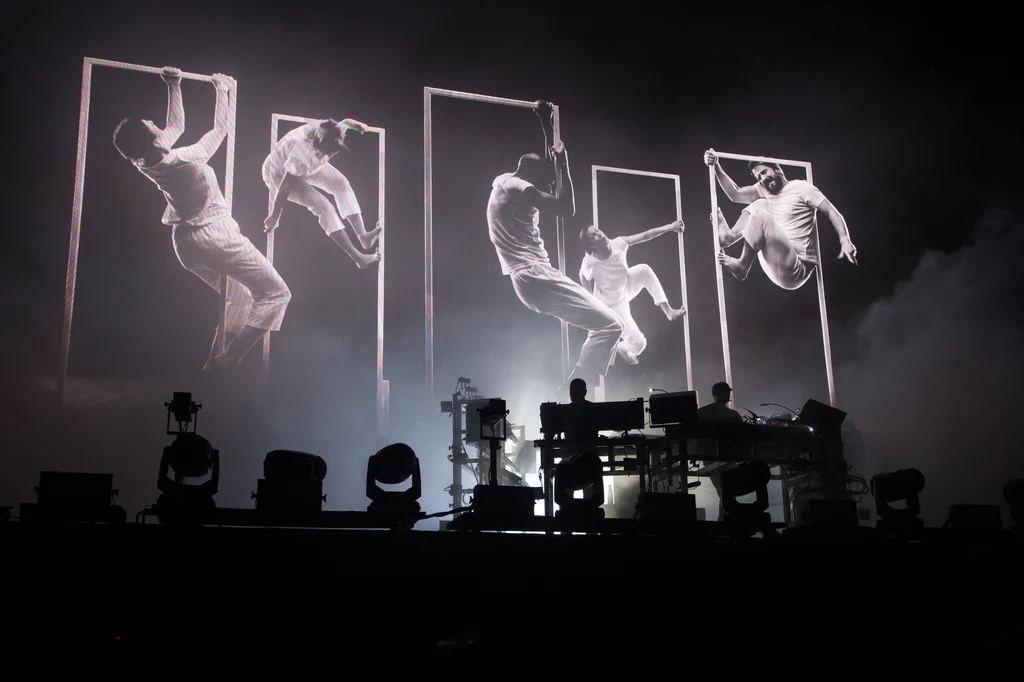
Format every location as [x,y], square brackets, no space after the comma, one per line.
[811,595]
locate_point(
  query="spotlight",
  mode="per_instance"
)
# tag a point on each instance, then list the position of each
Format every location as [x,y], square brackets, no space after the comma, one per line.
[1013,494]
[749,477]
[190,456]
[903,485]
[580,472]
[292,483]
[392,465]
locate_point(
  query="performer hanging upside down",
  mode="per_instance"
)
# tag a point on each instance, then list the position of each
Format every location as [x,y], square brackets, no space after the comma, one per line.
[299,165]
[206,239]
[606,274]
[513,218]
[777,225]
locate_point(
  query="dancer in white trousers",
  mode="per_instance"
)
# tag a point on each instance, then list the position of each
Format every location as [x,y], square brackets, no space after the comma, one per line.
[299,165]
[513,218]
[206,239]
[777,225]
[606,273]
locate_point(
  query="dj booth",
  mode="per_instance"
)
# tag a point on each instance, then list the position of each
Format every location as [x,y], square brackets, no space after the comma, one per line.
[806,453]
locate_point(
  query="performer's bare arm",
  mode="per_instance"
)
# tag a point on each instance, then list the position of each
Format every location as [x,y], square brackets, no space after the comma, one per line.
[175,124]
[201,151]
[736,194]
[634,239]
[563,201]
[352,124]
[280,199]
[587,284]
[546,113]
[847,249]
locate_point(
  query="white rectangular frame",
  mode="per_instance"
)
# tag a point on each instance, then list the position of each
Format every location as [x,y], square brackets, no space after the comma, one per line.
[76,208]
[682,251]
[383,385]
[806,165]
[428,227]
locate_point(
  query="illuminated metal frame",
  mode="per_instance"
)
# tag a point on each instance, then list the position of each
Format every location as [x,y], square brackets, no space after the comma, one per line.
[428,227]
[682,253]
[383,385]
[76,209]
[806,165]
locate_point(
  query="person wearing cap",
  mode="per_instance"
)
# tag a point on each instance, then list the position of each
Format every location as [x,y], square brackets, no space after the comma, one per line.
[719,411]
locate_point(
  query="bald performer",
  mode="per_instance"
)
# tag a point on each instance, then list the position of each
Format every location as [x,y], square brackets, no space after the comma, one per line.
[513,220]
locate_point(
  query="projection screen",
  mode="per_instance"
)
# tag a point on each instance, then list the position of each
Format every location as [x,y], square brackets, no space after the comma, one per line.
[682,254]
[383,386]
[76,207]
[428,244]
[712,183]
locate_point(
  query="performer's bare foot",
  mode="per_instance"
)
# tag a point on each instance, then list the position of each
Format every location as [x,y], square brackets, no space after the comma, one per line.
[725,240]
[371,236]
[674,314]
[733,265]
[365,260]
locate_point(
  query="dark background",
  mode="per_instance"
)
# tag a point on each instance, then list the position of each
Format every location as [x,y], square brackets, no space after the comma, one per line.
[908,114]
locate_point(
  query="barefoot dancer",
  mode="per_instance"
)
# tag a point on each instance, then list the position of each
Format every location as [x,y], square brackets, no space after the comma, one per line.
[777,225]
[206,239]
[299,165]
[606,274]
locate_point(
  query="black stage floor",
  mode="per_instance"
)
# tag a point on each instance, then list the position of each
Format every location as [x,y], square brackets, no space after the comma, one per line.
[467,594]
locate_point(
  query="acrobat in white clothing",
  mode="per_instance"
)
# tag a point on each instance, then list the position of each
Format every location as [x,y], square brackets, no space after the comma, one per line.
[606,272]
[513,218]
[777,224]
[299,165]
[206,239]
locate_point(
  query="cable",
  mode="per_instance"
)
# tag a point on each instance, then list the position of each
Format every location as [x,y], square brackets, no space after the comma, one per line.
[437,515]
[148,510]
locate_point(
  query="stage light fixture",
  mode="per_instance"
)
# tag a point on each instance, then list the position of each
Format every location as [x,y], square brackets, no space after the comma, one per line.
[747,478]
[190,456]
[392,465]
[1013,495]
[292,483]
[904,485]
[580,472]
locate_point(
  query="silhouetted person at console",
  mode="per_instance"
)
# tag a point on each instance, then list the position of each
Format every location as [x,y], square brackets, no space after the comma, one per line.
[581,462]
[580,425]
[719,412]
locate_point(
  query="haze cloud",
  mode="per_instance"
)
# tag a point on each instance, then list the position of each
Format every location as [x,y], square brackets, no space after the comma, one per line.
[936,380]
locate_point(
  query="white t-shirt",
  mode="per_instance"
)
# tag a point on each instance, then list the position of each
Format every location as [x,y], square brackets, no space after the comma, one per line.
[514,225]
[610,275]
[191,189]
[295,154]
[793,210]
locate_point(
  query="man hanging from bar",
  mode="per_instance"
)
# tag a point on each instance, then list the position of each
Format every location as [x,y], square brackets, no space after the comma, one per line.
[206,238]
[605,273]
[299,164]
[777,224]
[513,218]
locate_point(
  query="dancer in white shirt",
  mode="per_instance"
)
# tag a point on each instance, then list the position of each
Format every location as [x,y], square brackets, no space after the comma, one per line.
[606,273]
[299,165]
[513,218]
[777,225]
[206,239]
